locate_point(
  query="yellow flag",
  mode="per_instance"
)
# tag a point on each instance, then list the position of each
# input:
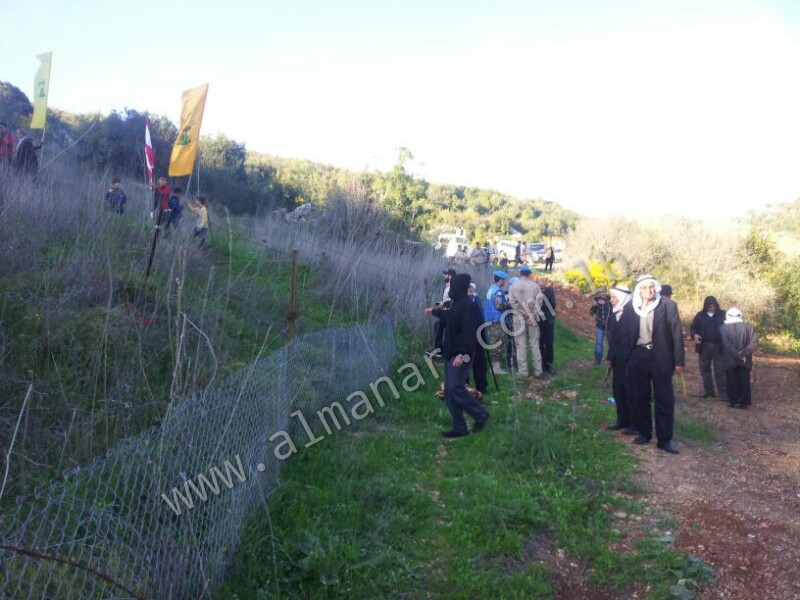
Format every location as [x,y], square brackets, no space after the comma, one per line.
[185,148]
[41,87]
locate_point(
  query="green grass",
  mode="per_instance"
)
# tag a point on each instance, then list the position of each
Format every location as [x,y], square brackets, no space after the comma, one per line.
[100,353]
[696,431]
[388,509]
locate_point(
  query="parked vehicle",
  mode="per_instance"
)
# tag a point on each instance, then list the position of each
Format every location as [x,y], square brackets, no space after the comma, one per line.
[508,247]
[449,242]
[454,245]
[536,251]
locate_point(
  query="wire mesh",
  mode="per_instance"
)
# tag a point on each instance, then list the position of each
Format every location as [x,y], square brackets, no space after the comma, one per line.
[117,529]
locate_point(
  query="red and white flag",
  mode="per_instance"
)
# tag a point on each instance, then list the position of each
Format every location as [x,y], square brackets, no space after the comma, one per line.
[148,150]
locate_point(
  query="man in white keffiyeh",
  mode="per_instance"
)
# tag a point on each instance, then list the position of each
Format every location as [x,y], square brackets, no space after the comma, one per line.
[655,340]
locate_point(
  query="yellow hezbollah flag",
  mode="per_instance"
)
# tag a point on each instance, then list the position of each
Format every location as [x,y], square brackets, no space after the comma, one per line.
[185,148]
[41,87]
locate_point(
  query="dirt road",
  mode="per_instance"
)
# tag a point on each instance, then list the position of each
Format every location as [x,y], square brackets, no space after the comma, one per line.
[736,500]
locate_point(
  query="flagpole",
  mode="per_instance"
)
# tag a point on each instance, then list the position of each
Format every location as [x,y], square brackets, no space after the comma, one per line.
[198,170]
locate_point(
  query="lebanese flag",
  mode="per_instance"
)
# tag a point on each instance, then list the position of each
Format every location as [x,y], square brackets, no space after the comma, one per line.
[148,150]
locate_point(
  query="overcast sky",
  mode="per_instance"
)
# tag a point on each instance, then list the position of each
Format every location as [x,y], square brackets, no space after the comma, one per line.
[682,107]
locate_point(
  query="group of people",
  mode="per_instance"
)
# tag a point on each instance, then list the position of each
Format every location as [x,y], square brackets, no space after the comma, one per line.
[521,257]
[18,151]
[508,323]
[645,349]
[167,209]
[724,344]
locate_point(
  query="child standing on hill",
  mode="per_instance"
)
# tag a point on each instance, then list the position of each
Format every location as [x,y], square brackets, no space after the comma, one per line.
[173,216]
[201,226]
[115,197]
[161,196]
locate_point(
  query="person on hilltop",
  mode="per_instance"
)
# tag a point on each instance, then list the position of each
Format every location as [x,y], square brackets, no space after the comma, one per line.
[175,205]
[201,226]
[161,195]
[654,340]
[705,330]
[601,309]
[526,299]
[459,349]
[115,197]
[617,359]
[25,157]
[739,341]
[547,325]
[496,305]
[7,143]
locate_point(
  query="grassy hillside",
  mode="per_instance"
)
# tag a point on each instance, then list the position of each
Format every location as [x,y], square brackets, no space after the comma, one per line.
[99,346]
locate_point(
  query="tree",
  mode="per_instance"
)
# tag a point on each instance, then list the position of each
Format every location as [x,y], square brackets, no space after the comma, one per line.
[223,154]
[400,192]
[15,108]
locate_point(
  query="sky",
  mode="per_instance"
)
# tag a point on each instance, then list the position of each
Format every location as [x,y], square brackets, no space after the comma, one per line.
[636,108]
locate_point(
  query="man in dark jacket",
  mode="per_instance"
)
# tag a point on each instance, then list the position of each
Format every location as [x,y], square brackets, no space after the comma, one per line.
[601,309]
[547,326]
[656,351]
[618,332]
[459,348]
[708,345]
[115,197]
[25,158]
[738,344]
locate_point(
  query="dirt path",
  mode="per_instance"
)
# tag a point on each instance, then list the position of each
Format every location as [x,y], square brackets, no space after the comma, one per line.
[737,500]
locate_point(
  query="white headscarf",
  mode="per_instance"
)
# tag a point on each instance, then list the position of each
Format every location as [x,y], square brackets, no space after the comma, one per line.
[623,295]
[734,315]
[637,295]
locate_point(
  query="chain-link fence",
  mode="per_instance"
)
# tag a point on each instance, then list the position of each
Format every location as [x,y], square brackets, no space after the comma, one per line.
[142,522]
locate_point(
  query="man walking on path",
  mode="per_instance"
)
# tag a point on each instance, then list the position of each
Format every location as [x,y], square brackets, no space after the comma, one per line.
[708,344]
[656,352]
[738,344]
[526,301]
[459,348]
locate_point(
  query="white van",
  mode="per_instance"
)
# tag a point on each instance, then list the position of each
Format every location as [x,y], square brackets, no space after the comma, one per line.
[450,242]
[509,247]
[453,244]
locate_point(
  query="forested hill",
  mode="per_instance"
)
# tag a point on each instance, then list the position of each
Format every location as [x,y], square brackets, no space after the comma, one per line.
[427,207]
[249,182]
[782,223]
